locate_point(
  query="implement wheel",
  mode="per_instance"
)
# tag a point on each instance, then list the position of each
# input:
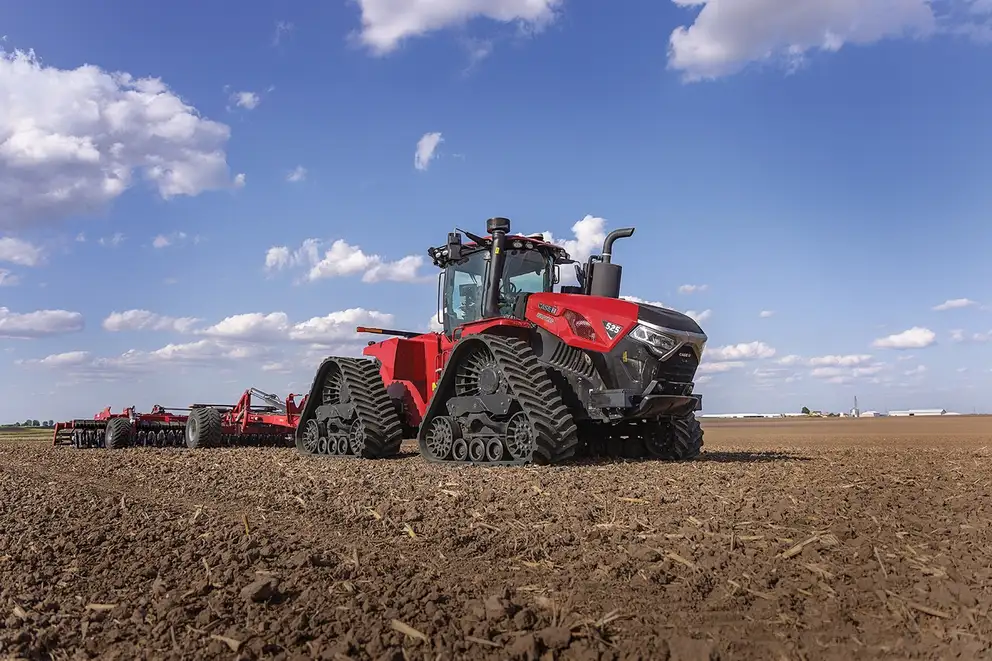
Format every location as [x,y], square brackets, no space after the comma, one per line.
[203,428]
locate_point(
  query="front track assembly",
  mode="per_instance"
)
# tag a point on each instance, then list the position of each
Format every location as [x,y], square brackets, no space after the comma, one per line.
[349,413]
[496,405]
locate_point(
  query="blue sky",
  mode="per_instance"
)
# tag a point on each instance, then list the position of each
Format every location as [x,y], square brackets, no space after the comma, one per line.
[819,177]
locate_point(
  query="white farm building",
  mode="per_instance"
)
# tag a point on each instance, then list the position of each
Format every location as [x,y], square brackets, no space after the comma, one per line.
[919,412]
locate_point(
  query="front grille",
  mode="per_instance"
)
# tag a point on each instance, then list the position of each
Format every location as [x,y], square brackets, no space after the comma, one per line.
[680,367]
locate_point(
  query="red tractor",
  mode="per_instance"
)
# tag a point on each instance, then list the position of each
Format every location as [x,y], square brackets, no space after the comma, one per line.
[520,374]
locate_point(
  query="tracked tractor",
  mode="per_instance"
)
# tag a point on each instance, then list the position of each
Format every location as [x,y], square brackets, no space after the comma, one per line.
[519,373]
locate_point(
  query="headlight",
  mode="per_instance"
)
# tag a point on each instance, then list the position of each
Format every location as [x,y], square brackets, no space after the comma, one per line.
[658,342]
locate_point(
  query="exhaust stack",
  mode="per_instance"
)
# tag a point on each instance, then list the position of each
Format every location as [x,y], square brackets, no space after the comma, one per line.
[604,276]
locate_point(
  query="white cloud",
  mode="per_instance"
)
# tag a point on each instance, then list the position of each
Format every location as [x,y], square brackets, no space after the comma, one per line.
[42,323]
[387,23]
[914,338]
[204,354]
[145,320]
[719,367]
[239,180]
[18,251]
[239,338]
[729,34]
[916,371]
[299,173]
[850,360]
[81,237]
[246,100]
[700,317]
[435,326]
[851,372]
[425,150]
[954,303]
[691,289]
[590,233]
[164,241]
[8,278]
[635,299]
[764,314]
[342,259]
[791,359]
[742,351]
[73,139]
[958,335]
[255,326]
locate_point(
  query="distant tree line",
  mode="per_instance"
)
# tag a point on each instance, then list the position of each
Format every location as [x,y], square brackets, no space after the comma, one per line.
[31,423]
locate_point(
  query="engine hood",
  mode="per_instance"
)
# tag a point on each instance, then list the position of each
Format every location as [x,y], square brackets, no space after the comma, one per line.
[665,318]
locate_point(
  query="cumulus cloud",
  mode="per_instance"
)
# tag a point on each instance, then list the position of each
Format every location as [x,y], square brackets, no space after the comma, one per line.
[71,140]
[954,304]
[18,251]
[204,354]
[636,299]
[251,337]
[742,351]
[145,320]
[386,23]
[764,314]
[426,147]
[41,323]
[849,360]
[299,173]
[700,316]
[691,289]
[340,260]
[589,233]
[254,326]
[727,35]
[914,338]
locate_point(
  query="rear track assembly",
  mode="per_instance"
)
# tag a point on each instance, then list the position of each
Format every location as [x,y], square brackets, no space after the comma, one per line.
[351,415]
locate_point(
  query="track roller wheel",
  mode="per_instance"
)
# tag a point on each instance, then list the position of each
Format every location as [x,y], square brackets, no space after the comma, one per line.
[459,449]
[494,449]
[203,428]
[477,450]
[119,434]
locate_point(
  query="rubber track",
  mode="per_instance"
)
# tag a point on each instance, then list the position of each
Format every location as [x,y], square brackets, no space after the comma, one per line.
[383,431]
[532,388]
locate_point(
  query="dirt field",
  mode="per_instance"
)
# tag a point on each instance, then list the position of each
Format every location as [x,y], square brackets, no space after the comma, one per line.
[806,539]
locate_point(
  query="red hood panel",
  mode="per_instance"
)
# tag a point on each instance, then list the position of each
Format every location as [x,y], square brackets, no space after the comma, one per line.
[610,318]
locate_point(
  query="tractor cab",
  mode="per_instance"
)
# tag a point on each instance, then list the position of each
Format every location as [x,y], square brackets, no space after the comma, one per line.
[517,264]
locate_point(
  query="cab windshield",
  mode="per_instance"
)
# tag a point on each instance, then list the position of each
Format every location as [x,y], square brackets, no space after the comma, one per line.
[524,271]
